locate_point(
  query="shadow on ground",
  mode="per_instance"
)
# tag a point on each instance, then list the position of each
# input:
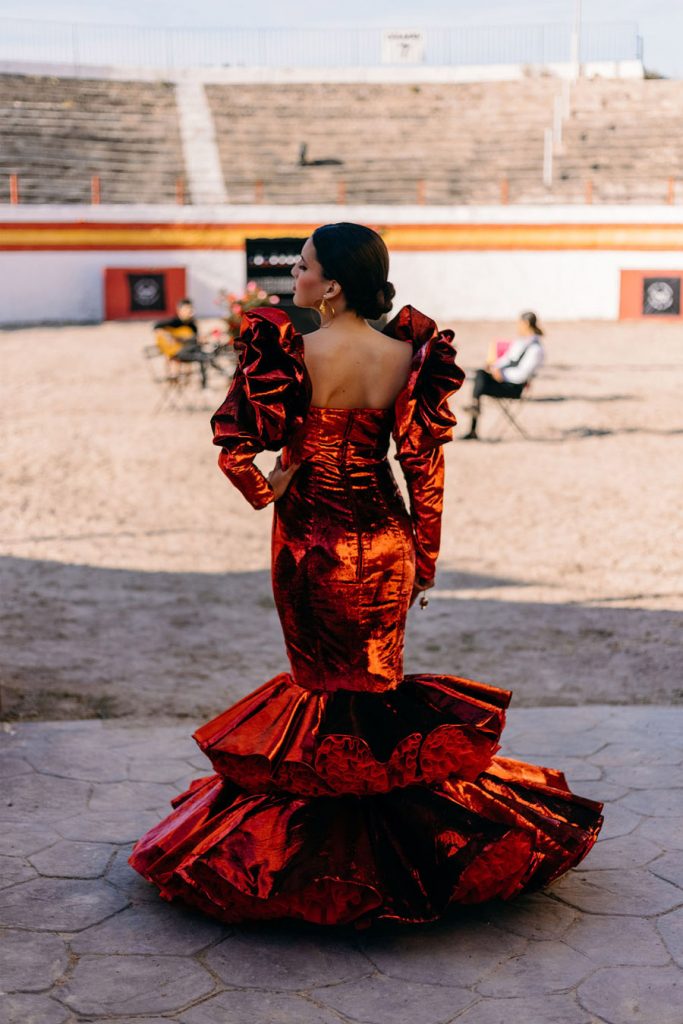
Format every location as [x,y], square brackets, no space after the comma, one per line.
[85,642]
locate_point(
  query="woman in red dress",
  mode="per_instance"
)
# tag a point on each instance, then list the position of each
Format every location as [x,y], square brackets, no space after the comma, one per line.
[344,791]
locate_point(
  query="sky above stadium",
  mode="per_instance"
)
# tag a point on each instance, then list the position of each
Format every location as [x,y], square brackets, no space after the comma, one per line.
[660,22]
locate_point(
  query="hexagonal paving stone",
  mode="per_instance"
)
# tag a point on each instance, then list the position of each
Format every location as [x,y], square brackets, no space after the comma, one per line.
[537,916]
[159,771]
[157,928]
[18,1009]
[108,826]
[658,803]
[618,892]
[128,882]
[84,758]
[26,837]
[26,795]
[13,870]
[289,959]
[11,764]
[162,742]
[544,743]
[632,851]
[102,985]
[456,953]
[617,940]
[58,904]
[670,927]
[119,796]
[249,1007]
[577,769]
[600,789]
[527,1010]
[637,754]
[381,1000]
[619,821]
[668,834]
[73,860]
[545,967]
[31,961]
[644,776]
[629,995]
[670,867]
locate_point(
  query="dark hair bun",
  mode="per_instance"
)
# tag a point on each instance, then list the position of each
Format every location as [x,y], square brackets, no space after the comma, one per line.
[356,257]
[385,299]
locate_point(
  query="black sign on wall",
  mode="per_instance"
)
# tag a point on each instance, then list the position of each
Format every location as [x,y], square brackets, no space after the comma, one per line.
[147,292]
[270,262]
[661,296]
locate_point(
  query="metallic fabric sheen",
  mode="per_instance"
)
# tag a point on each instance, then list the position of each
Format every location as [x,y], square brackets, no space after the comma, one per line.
[345,792]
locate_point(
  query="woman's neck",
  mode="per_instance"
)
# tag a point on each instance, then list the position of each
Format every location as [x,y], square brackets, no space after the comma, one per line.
[345,321]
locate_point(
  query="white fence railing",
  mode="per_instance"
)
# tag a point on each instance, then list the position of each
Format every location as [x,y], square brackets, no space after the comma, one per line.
[79,44]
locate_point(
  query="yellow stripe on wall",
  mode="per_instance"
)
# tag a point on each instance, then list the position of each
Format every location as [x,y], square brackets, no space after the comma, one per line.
[399,237]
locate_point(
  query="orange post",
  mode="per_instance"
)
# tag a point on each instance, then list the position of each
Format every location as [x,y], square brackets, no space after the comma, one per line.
[421,191]
[505,191]
[258,191]
[589,191]
[671,191]
[95,190]
[14,189]
[341,191]
[180,191]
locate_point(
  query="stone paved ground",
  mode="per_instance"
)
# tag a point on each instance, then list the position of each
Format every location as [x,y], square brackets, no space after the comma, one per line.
[85,939]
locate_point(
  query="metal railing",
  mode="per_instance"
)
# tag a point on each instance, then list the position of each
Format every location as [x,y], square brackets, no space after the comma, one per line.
[78,44]
[17,190]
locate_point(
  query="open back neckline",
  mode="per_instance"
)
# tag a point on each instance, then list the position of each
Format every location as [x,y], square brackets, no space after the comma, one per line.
[350,408]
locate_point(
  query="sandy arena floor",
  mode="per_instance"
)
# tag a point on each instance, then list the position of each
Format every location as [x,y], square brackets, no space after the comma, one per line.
[135,579]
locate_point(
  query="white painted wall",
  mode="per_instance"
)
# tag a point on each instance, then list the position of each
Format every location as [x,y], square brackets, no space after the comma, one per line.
[561,285]
[401,73]
[53,287]
[68,286]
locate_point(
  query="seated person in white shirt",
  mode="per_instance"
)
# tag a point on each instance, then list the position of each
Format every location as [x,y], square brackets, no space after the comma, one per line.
[507,376]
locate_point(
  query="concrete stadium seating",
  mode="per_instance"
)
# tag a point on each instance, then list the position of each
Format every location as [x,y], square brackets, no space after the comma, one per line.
[457,139]
[406,143]
[57,132]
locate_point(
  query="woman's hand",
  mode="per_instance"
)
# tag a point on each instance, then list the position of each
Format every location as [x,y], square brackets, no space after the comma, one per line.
[419,588]
[280,479]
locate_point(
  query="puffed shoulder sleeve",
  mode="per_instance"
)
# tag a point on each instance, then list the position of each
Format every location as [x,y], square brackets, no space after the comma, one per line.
[267,400]
[423,423]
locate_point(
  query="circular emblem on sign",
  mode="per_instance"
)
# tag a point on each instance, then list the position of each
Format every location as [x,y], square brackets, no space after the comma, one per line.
[660,295]
[146,291]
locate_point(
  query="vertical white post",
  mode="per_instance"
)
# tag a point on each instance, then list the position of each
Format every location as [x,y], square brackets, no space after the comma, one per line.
[557,123]
[548,157]
[566,99]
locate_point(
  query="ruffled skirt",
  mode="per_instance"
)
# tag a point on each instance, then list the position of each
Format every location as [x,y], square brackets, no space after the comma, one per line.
[349,807]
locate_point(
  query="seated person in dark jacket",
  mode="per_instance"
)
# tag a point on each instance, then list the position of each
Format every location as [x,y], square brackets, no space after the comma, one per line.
[507,377]
[178,338]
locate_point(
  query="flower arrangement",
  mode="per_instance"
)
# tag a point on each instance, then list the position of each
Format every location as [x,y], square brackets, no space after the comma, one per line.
[237,305]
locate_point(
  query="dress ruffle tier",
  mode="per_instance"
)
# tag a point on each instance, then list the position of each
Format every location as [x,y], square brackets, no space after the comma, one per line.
[340,808]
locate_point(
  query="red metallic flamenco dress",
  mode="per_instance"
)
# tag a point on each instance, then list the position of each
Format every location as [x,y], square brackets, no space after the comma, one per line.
[343,791]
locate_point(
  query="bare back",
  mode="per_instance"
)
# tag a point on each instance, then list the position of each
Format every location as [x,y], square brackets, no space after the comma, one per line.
[356,370]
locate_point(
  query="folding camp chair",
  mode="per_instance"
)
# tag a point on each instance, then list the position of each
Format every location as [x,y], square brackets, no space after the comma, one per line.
[507,404]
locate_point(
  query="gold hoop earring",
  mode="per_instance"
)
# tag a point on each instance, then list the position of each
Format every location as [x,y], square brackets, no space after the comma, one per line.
[323,309]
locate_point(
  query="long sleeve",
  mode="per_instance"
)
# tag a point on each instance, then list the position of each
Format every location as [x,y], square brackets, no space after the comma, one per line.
[424,473]
[239,448]
[267,399]
[423,424]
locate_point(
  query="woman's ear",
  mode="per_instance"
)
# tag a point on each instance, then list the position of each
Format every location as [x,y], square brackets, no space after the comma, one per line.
[333,290]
